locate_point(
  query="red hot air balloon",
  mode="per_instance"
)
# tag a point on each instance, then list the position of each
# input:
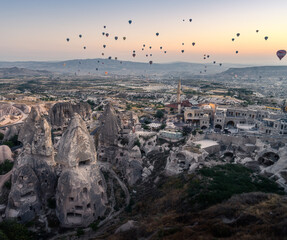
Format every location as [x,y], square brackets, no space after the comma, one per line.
[281,54]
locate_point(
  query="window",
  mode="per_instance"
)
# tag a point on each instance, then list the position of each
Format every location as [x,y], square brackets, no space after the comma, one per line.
[84,163]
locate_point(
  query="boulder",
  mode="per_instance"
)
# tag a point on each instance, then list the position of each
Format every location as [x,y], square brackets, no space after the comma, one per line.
[5,153]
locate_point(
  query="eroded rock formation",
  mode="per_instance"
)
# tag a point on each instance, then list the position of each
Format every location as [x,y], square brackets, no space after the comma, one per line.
[34,179]
[80,192]
[61,113]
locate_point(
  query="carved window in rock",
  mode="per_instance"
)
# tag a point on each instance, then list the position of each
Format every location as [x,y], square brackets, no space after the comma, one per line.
[71,199]
[100,183]
[84,163]
[85,190]
[79,207]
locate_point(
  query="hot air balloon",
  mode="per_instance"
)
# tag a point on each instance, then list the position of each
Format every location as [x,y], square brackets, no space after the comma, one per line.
[68,39]
[233,39]
[64,64]
[107,34]
[238,34]
[266,38]
[106,73]
[80,35]
[281,54]
[182,51]
[190,20]
[124,38]
[157,34]
[130,21]
[104,46]
[193,43]
[236,52]
[150,62]
[116,38]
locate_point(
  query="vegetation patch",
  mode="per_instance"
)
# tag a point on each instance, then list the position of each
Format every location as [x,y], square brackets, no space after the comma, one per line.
[12,230]
[6,167]
[219,183]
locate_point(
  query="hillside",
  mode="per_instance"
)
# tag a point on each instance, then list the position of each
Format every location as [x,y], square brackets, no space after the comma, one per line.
[21,72]
[100,66]
[266,71]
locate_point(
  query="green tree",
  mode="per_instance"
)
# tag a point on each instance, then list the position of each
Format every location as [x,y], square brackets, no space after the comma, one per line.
[159,114]
[1,136]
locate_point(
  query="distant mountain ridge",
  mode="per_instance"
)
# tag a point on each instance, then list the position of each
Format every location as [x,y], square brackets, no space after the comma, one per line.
[267,71]
[100,66]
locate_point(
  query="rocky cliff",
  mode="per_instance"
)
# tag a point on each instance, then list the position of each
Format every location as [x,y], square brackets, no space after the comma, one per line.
[33,179]
[61,113]
[80,192]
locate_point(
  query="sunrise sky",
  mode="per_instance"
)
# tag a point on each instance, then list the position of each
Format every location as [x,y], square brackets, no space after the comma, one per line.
[37,30]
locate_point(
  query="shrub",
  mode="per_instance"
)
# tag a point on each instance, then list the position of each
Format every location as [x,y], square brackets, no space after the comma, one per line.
[137,143]
[1,136]
[52,203]
[6,166]
[159,114]
[95,225]
[8,185]
[220,182]
[14,230]
[80,232]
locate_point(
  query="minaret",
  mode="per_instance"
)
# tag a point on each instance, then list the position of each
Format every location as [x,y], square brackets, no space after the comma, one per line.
[178,96]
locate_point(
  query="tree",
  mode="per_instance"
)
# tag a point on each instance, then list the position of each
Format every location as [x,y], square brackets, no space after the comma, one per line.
[159,114]
[186,130]
[137,143]
[1,136]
